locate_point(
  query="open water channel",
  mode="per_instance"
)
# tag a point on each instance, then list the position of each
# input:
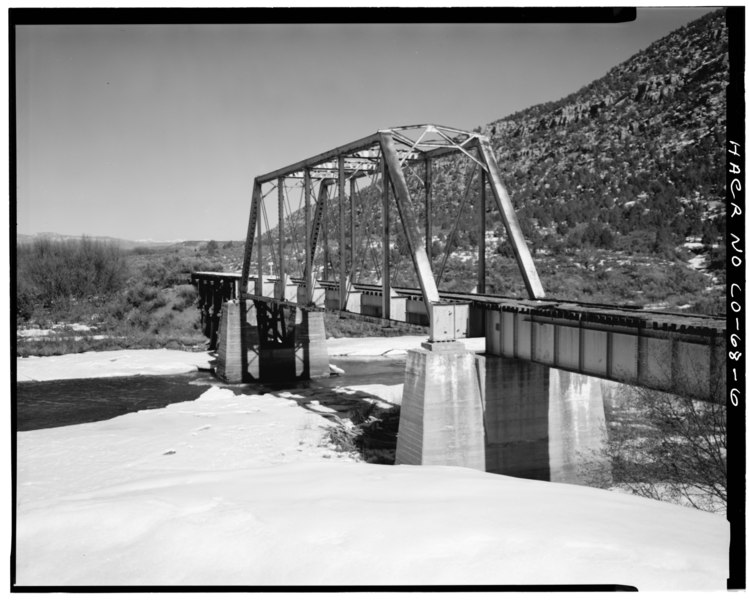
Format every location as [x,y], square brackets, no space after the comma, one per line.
[44,404]
[540,423]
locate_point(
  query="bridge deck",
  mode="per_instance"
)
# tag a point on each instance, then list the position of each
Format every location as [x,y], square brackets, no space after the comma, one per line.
[661,350]
[605,315]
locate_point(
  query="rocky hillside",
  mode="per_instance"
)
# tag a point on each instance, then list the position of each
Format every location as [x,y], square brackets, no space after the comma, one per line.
[639,150]
[619,187]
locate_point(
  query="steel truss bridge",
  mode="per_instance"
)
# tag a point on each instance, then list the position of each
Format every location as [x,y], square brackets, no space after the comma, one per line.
[393,169]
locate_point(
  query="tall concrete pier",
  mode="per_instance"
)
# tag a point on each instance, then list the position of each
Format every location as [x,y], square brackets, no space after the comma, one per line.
[231,363]
[499,415]
[311,349]
[442,420]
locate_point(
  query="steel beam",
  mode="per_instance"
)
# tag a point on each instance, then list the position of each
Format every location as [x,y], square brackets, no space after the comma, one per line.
[341,234]
[259,280]
[350,148]
[481,283]
[319,220]
[408,219]
[251,226]
[352,195]
[507,212]
[307,234]
[385,242]
[428,208]
[324,217]
[281,242]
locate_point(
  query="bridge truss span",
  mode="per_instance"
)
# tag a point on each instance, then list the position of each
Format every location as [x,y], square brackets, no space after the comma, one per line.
[353,233]
[323,232]
[343,214]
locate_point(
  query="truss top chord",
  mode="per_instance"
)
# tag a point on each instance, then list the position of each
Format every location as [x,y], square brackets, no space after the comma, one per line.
[412,143]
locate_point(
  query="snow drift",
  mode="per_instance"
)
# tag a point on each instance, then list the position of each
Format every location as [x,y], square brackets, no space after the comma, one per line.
[243,490]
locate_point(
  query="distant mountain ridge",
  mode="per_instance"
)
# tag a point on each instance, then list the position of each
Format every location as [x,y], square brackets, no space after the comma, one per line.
[22,238]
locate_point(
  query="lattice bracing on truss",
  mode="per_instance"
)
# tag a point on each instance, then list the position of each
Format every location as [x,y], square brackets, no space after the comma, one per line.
[320,200]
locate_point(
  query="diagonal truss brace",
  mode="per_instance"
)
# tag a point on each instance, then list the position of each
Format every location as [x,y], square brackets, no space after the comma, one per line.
[317,221]
[414,239]
[507,212]
[252,225]
[384,143]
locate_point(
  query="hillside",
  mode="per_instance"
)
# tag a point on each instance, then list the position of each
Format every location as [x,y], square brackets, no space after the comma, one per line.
[618,187]
[641,149]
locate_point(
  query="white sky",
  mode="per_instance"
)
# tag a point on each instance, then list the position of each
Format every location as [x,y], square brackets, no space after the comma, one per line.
[156,132]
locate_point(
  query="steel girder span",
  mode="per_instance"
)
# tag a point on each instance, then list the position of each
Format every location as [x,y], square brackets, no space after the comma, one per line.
[323,194]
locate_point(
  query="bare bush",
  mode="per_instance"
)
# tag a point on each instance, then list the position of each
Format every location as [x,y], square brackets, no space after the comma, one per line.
[54,272]
[674,449]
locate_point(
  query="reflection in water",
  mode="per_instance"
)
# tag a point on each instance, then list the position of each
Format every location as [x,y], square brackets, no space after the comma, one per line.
[543,423]
[58,403]
[516,418]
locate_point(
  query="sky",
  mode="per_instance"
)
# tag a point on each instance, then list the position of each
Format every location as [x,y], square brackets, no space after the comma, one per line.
[156,132]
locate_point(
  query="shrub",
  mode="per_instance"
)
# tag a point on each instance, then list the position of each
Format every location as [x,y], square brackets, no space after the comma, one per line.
[143,250]
[54,272]
[211,247]
[675,450]
[141,294]
[186,296]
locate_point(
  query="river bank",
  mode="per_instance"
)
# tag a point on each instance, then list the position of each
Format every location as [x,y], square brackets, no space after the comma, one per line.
[246,489]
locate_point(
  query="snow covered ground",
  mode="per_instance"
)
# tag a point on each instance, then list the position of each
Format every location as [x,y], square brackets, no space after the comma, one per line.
[242,490]
[112,363]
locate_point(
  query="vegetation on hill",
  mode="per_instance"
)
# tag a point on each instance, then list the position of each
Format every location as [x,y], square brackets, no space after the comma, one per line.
[636,156]
[618,188]
[139,298]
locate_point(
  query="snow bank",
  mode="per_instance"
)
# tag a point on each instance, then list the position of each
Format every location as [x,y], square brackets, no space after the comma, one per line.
[113,363]
[169,362]
[388,346]
[241,490]
[236,489]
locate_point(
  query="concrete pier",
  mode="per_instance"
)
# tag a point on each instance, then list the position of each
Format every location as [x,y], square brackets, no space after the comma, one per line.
[441,420]
[231,364]
[312,360]
[243,356]
[499,415]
